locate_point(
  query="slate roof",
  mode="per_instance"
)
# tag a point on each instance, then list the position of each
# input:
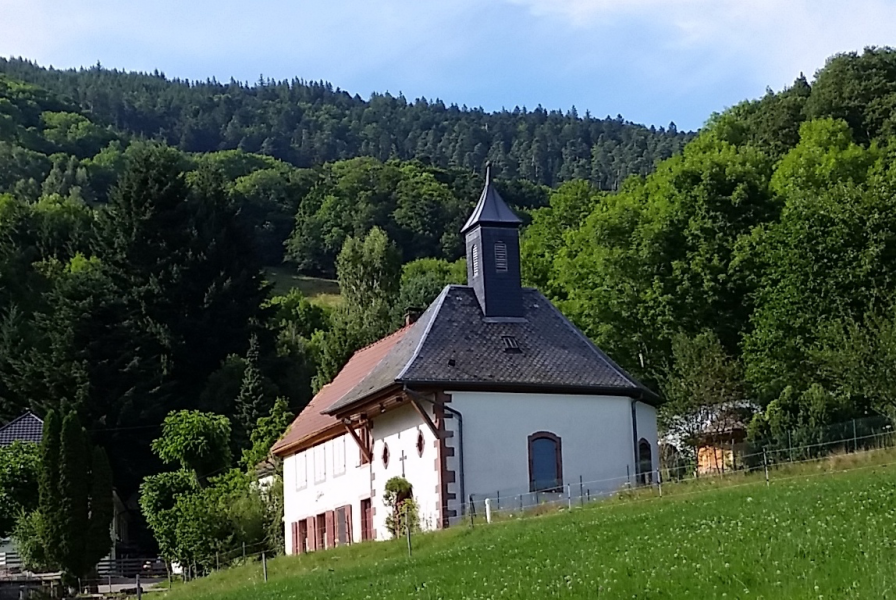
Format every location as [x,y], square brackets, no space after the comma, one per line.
[491,208]
[312,420]
[26,428]
[453,345]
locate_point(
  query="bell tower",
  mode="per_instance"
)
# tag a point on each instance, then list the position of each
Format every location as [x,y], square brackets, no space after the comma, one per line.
[493,254]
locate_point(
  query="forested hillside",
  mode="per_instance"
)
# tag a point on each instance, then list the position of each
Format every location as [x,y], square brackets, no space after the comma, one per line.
[760,264]
[310,123]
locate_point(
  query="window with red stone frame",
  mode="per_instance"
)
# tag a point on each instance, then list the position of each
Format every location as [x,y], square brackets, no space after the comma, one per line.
[545,462]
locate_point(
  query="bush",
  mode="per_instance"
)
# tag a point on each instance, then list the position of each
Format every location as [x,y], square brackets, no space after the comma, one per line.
[399,497]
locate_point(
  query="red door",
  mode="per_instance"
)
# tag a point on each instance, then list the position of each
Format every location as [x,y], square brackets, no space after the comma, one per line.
[303,536]
[366,520]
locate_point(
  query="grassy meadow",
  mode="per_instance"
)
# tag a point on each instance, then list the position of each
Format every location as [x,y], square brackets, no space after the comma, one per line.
[815,532]
[284,279]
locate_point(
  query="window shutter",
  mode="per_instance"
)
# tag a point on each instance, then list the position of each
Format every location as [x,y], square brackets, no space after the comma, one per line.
[348,524]
[312,534]
[331,529]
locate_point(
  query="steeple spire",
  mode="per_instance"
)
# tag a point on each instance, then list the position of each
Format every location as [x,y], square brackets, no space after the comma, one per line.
[493,254]
[491,208]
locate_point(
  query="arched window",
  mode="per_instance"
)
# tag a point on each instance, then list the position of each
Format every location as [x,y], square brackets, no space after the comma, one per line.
[645,462]
[545,462]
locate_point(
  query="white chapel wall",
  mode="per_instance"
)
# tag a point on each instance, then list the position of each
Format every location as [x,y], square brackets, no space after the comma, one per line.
[324,478]
[595,433]
[398,428]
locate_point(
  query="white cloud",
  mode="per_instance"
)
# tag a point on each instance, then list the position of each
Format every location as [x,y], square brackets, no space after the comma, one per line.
[775,40]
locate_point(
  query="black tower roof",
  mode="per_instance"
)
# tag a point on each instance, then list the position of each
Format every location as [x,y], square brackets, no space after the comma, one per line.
[491,208]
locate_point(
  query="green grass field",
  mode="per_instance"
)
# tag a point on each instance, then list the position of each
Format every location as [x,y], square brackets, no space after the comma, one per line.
[324,291]
[809,535]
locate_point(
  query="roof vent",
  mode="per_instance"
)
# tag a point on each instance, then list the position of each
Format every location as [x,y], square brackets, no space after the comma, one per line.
[511,346]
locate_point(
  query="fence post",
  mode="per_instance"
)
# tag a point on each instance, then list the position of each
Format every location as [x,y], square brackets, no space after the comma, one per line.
[521,503]
[472,508]
[569,496]
[498,501]
[628,475]
[733,459]
[765,464]
[855,438]
[217,562]
[488,510]
[109,580]
[407,526]
[789,446]
[588,494]
[581,492]
[659,482]
[244,549]
[264,565]
[139,590]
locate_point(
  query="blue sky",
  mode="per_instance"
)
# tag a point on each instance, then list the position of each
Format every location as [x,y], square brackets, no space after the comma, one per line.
[653,61]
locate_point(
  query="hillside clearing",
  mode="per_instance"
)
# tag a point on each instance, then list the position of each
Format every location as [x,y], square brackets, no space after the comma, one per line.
[317,289]
[825,536]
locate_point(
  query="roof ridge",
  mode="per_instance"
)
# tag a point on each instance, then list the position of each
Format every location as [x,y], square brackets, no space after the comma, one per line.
[436,306]
[19,418]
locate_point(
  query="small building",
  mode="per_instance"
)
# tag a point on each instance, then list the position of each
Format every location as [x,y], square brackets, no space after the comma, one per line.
[492,392]
[722,442]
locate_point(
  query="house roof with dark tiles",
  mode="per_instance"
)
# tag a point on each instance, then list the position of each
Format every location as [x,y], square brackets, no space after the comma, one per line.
[453,345]
[25,428]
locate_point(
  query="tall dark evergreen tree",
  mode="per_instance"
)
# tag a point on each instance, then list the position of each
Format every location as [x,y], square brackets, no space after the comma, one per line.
[251,403]
[50,502]
[98,541]
[74,496]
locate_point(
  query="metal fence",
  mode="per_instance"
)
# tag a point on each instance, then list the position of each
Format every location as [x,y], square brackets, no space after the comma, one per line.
[114,577]
[769,459]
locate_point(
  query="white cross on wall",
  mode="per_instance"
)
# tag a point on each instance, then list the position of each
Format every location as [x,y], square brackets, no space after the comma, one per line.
[402,458]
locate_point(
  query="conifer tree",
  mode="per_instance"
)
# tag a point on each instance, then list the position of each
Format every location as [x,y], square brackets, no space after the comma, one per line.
[50,503]
[74,496]
[98,539]
[250,404]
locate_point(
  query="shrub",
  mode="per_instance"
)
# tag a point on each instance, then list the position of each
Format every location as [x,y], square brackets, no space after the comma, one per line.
[399,497]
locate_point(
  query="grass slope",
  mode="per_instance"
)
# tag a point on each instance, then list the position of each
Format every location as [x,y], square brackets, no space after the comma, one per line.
[323,291]
[825,536]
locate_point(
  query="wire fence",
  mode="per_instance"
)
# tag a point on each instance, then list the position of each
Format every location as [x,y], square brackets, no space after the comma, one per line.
[720,460]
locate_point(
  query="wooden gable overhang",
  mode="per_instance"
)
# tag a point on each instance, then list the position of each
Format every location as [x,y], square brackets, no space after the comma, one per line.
[388,399]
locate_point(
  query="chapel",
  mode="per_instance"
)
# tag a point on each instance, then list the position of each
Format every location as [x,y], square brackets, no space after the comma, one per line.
[490,393]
